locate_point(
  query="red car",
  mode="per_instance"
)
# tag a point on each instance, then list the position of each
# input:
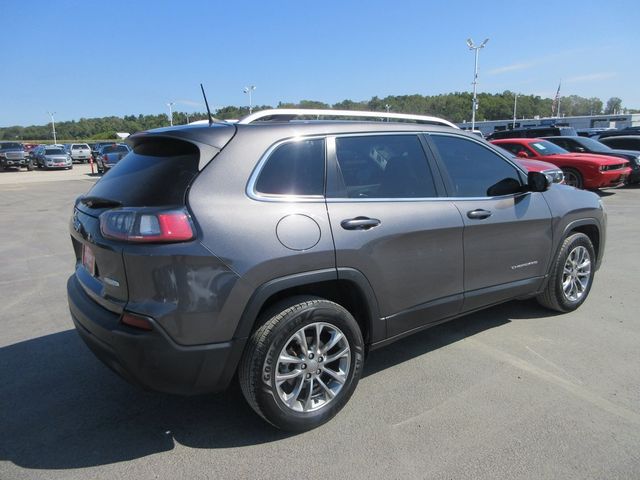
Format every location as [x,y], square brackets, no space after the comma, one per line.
[581,170]
[549,169]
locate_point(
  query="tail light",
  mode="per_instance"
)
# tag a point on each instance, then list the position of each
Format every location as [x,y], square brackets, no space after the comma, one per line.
[105,158]
[143,225]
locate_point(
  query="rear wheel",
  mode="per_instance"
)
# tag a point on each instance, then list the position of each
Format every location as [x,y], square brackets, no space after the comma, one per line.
[302,365]
[572,275]
[573,177]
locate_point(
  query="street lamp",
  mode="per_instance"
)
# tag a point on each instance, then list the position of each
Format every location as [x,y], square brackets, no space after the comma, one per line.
[248,90]
[475,79]
[170,105]
[515,106]
[387,107]
[53,126]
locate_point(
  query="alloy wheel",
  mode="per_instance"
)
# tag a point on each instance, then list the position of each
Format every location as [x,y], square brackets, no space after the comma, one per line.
[576,273]
[312,367]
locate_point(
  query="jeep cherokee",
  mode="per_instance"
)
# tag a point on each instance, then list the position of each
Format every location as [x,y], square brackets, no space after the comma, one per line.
[282,250]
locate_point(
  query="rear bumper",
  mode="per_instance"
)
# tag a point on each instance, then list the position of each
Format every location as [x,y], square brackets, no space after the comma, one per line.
[151,359]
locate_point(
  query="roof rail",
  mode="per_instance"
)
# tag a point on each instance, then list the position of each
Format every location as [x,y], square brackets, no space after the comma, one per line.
[286,114]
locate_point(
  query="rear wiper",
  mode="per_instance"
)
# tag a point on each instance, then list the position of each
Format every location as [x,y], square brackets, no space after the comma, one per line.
[99,202]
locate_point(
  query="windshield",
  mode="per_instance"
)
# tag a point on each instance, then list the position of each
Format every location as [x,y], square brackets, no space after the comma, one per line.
[10,146]
[54,151]
[545,148]
[594,145]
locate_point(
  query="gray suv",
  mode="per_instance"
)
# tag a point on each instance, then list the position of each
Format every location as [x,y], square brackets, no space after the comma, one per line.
[282,251]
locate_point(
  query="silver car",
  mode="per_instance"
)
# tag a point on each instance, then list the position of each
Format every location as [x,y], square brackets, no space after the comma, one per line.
[53,157]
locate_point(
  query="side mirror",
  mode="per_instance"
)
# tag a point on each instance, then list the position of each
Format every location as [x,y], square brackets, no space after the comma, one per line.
[522,154]
[538,182]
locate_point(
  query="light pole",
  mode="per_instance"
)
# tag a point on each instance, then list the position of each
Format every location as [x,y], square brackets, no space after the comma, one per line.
[387,107]
[248,90]
[515,106]
[475,79]
[170,105]
[53,126]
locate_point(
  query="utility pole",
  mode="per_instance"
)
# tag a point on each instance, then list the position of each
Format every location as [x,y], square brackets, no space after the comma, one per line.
[249,90]
[170,105]
[53,126]
[474,107]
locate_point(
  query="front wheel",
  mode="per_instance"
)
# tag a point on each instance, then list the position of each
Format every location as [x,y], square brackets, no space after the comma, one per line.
[302,365]
[573,178]
[572,275]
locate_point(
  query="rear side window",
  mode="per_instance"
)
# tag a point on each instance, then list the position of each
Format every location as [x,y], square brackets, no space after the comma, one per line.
[474,170]
[384,166]
[294,168]
[155,173]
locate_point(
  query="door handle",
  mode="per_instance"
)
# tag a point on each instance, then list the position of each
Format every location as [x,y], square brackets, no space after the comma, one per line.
[478,214]
[359,223]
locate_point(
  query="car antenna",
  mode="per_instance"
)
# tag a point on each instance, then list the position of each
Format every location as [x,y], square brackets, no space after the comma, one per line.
[207,104]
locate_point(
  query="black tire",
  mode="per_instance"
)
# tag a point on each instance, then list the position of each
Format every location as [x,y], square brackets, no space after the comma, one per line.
[259,364]
[554,296]
[572,173]
[30,166]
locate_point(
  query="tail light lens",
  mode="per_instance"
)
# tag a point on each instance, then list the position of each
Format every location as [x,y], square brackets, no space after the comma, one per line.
[140,225]
[105,157]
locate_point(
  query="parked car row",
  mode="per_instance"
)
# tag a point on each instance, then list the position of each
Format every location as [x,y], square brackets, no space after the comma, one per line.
[608,161]
[49,156]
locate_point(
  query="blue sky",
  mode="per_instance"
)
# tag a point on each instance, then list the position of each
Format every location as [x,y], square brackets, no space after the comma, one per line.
[91,59]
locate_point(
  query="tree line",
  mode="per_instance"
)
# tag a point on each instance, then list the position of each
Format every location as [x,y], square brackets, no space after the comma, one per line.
[455,107]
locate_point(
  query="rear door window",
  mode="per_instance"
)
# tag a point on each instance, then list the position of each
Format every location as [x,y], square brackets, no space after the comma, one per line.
[384,166]
[294,168]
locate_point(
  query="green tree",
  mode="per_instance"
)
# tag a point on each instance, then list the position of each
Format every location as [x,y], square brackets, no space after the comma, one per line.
[614,105]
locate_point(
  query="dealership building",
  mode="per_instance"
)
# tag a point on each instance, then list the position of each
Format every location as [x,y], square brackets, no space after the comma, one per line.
[582,122]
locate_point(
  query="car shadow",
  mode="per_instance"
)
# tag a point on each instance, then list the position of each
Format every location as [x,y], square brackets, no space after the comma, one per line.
[62,409]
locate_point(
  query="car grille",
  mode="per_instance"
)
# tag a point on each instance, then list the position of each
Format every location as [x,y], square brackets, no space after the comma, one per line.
[14,155]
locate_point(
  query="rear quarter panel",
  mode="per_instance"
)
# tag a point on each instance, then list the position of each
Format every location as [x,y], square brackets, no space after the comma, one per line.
[241,231]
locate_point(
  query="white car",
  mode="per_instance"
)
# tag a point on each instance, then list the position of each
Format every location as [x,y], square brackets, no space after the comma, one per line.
[79,152]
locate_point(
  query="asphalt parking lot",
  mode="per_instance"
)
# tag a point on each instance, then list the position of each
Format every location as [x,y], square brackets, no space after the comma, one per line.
[510,392]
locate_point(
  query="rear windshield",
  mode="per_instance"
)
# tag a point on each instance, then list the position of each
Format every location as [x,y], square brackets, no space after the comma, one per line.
[116,149]
[79,147]
[155,173]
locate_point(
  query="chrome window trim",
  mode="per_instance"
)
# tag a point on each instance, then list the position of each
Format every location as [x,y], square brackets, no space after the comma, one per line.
[423,199]
[267,197]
